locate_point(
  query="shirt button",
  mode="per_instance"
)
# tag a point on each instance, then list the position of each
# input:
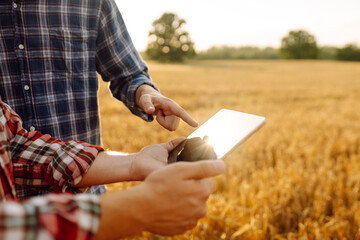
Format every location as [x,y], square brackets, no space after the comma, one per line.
[32,128]
[15,5]
[26,87]
[21,46]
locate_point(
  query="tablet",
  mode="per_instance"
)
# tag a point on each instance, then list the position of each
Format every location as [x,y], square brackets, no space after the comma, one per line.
[217,137]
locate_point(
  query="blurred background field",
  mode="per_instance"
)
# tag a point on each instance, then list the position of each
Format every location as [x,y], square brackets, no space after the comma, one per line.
[296,178]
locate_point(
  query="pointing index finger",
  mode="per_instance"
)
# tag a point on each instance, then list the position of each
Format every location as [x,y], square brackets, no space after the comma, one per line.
[188,119]
[181,113]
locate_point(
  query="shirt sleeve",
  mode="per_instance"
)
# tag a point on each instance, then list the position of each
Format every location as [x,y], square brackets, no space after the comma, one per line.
[53,216]
[117,60]
[44,163]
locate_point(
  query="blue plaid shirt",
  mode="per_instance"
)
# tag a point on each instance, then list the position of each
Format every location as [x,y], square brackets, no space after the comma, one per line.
[50,53]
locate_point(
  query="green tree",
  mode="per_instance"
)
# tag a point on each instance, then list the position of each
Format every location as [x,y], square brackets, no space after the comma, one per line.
[327,53]
[245,52]
[168,41]
[299,45]
[348,53]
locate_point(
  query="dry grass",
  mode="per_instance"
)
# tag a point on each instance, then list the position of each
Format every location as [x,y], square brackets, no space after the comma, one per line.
[298,177]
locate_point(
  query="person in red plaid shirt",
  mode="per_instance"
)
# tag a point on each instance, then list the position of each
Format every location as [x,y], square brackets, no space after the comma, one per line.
[65,170]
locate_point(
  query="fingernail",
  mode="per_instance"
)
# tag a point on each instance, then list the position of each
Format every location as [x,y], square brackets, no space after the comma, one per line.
[149,108]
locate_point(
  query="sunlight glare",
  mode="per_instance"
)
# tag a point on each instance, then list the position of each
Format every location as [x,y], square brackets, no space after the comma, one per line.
[228,128]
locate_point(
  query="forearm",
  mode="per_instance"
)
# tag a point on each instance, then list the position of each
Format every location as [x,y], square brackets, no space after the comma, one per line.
[46,163]
[123,213]
[108,167]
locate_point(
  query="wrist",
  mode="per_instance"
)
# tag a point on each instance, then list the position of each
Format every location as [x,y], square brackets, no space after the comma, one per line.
[136,172]
[122,213]
[146,206]
[113,167]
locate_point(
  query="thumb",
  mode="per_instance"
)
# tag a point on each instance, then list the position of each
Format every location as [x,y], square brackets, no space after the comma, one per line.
[200,169]
[146,104]
[169,146]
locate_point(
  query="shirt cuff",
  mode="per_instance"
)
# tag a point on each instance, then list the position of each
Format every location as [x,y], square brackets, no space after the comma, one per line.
[83,155]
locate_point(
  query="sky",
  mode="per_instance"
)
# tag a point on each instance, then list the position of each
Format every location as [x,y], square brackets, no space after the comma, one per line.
[259,23]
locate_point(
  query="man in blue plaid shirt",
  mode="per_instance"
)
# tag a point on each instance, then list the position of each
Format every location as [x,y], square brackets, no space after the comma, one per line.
[50,53]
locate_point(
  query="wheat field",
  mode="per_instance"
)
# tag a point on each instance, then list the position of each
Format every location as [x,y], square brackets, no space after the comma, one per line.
[296,178]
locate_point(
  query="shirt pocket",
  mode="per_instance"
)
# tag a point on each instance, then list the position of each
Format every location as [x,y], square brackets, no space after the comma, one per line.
[69,51]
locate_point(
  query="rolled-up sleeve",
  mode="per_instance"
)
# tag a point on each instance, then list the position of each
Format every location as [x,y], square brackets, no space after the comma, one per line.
[117,60]
[44,163]
[53,216]
[48,164]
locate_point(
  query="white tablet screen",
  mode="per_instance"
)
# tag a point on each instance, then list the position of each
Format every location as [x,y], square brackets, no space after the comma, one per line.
[227,128]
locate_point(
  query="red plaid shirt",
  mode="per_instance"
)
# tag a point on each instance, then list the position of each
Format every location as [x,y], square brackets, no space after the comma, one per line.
[40,162]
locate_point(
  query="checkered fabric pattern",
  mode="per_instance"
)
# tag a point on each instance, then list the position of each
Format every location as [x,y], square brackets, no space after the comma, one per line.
[49,165]
[50,53]
[54,216]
